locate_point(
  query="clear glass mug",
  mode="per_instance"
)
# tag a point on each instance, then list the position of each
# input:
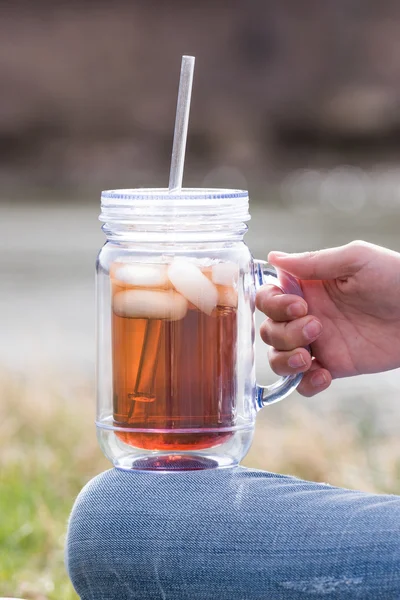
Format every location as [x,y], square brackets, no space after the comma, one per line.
[176,286]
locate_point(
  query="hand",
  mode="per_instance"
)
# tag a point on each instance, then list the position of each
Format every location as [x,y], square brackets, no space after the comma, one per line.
[350,314]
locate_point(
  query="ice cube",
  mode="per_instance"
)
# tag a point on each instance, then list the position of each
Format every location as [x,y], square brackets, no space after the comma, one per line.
[142,275]
[150,304]
[227,296]
[225,273]
[193,285]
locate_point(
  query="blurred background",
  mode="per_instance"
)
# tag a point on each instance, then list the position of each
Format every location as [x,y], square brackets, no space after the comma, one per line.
[297,102]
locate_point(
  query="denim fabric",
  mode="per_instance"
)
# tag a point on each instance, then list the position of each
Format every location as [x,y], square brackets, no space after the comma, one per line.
[231,534]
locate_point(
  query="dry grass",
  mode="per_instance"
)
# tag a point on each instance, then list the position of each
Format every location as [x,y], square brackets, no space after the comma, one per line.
[331,448]
[49,451]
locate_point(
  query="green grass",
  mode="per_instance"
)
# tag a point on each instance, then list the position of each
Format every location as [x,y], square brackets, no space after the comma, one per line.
[49,451]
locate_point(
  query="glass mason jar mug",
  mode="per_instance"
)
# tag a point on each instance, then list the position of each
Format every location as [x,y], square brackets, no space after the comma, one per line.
[176,287]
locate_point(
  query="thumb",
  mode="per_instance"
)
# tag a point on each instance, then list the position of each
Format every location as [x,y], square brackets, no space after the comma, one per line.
[332,263]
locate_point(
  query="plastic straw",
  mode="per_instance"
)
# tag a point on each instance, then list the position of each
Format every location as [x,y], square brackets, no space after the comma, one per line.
[181,123]
[144,386]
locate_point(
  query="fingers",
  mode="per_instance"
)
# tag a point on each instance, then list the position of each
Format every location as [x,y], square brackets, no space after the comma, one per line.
[332,263]
[289,362]
[292,334]
[279,306]
[315,379]
[288,329]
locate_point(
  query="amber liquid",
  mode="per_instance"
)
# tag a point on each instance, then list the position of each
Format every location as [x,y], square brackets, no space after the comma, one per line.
[191,382]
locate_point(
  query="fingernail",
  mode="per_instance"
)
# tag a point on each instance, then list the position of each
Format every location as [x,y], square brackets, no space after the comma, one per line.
[296,361]
[319,379]
[279,254]
[312,330]
[297,309]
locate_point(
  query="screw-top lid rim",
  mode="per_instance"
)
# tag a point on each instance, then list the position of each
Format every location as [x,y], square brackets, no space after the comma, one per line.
[198,203]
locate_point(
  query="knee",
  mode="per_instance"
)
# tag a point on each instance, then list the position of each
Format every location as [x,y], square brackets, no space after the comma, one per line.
[129,533]
[128,530]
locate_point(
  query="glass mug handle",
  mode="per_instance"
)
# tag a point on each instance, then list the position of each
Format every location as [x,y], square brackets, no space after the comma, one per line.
[266,273]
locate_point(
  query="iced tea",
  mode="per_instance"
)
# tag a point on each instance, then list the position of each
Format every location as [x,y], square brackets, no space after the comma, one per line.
[174,331]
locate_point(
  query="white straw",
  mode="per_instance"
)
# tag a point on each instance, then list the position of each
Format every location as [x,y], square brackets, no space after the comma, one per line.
[181,123]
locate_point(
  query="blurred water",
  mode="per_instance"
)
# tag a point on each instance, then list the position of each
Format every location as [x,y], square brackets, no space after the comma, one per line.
[47,282]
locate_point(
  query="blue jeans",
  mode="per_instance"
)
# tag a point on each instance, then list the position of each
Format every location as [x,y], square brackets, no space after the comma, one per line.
[231,534]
